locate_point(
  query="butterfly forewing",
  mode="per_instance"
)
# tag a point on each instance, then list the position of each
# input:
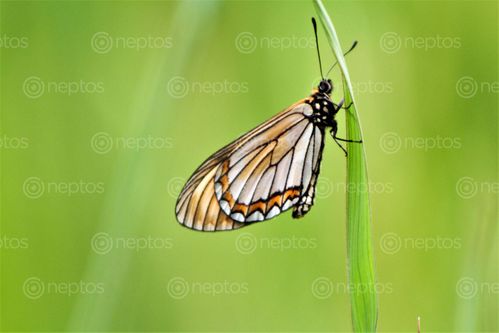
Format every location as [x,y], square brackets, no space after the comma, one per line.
[258,176]
[198,208]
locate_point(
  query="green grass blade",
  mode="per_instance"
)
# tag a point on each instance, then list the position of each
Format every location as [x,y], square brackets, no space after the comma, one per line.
[360,257]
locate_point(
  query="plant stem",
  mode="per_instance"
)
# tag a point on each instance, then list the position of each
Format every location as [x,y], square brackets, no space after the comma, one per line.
[360,258]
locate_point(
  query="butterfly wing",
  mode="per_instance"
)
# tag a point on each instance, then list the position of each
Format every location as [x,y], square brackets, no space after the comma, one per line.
[197,207]
[258,176]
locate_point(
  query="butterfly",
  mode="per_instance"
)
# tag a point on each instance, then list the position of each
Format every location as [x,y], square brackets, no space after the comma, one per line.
[267,171]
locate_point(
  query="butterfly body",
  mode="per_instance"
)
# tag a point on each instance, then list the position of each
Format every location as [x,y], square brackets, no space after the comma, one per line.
[324,110]
[268,170]
[263,173]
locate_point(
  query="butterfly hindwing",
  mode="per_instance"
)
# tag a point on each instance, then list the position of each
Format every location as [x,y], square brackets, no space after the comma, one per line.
[272,178]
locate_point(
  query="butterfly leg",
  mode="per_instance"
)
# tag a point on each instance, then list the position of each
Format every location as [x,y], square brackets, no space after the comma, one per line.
[348,106]
[334,130]
[340,105]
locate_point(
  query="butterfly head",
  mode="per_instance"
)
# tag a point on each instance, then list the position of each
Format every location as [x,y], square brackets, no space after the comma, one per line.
[325,86]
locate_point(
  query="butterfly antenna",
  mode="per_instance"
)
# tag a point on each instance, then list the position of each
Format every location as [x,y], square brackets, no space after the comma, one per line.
[344,54]
[317,44]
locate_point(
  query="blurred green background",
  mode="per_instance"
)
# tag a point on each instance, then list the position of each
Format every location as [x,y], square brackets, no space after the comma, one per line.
[107,107]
